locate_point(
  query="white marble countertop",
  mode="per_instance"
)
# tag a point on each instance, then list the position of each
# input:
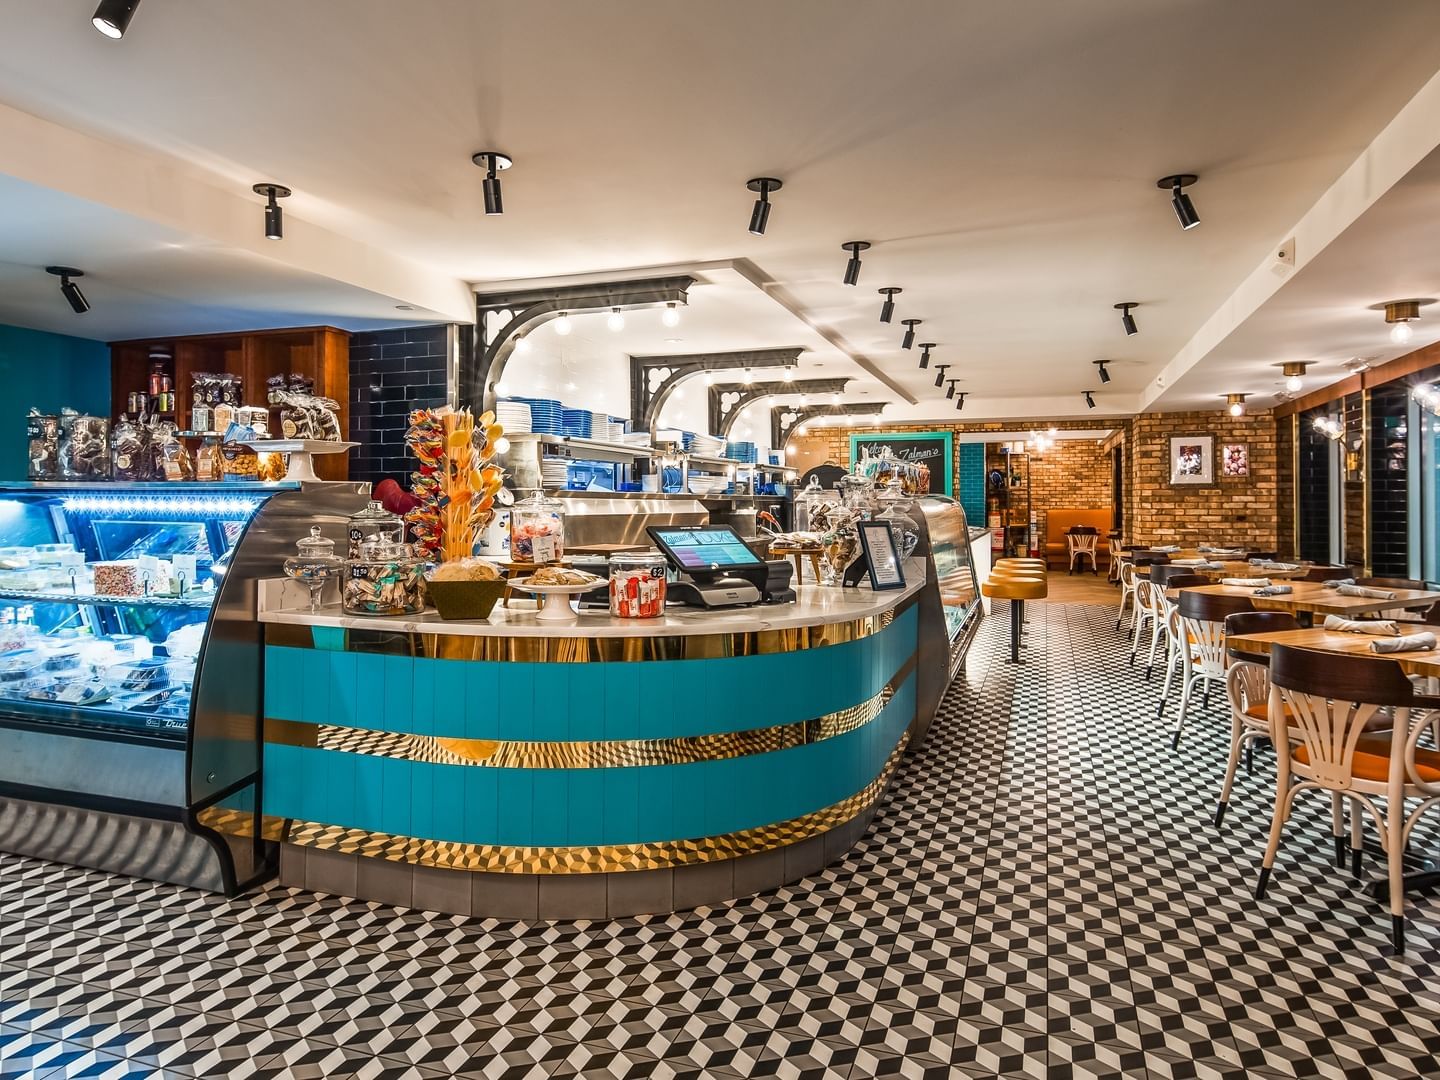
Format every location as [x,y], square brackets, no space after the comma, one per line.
[284,601]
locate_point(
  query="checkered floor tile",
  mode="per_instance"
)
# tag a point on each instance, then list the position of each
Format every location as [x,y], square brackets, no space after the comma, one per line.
[1041,894]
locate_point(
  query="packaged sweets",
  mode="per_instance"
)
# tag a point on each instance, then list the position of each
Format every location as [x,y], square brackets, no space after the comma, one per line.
[637,585]
[173,461]
[239,462]
[42,433]
[84,446]
[118,579]
[207,461]
[385,579]
[130,455]
[272,466]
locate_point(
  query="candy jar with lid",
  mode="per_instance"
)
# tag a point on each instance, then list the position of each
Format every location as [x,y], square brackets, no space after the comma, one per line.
[373,523]
[537,530]
[805,503]
[385,578]
[314,564]
[637,585]
[893,507]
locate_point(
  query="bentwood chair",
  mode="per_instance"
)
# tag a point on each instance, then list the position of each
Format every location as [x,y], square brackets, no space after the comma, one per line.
[1320,705]
[1153,609]
[1327,573]
[1202,646]
[1139,564]
[1247,689]
[1126,577]
[1115,550]
[1081,546]
[1173,637]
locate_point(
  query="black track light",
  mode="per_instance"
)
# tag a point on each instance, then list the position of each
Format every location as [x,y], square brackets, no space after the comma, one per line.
[940,370]
[69,289]
[1104,375]
[493,162]
[908,341]
[760,216]
[1184,208]
[1126,319]
[925,347]
[960,403]
[274,216]
[852,268]
[1089,399]
[112,17]
[950,389]
[887,309]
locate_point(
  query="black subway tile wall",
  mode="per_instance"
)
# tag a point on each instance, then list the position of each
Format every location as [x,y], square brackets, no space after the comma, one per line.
[1389,540]
[1285,427]
[1313,510]
[391,372]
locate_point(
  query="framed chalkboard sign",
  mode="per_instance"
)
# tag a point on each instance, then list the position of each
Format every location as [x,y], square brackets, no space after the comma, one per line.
[933,449]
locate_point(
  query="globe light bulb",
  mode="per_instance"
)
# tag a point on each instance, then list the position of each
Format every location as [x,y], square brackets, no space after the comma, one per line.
[671,315]
[522,344]
[788,375]
[1401,333]
[502,445]
[834,399]
[616,321]
[1294,383]
[1237,409]
[562,324]
[749,378]
[709,378]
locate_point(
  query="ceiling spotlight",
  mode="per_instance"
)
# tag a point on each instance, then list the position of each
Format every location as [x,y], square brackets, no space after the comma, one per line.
[671,315]
[887,309]
[112,17]
[852,268]
[492,162]
[760,216]
[1184,208]
[274,216]
[1236,403]
[1089,399]
[940,370]
[908,341]
[1104,375]
[960,403]
[1294,372]
[1126,319]
[1399,313]
[69,289]
[562,324]
[615,321]
[950,389]
[925,347]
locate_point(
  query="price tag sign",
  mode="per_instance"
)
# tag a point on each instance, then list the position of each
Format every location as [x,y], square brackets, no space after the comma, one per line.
[883,557]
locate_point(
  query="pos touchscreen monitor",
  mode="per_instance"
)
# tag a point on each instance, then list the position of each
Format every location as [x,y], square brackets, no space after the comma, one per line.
[704,549]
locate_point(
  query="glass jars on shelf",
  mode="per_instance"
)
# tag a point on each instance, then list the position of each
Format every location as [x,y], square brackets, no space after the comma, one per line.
[385,578]
[537,530]
[373,523]
[637,585]
[314,564]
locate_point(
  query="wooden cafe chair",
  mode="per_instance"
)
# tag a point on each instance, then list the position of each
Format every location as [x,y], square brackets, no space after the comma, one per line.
[1201,629]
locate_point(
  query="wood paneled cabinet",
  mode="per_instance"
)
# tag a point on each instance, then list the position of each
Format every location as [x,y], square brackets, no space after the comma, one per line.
[321,353]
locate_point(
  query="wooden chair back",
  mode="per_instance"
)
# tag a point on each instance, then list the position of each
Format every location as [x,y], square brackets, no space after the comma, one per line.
[1186,581]
[1392,583]
[1210,608]
[1257,622]
[1327,573]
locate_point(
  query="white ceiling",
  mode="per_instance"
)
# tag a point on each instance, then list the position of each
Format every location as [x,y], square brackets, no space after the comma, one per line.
[1001,156]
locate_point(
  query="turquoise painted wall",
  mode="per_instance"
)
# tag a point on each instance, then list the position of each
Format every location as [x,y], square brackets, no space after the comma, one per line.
[970,483]
[48,371]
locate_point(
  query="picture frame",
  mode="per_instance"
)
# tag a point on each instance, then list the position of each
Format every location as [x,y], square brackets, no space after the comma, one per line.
[1234,460]
[882,556]
[1192,459]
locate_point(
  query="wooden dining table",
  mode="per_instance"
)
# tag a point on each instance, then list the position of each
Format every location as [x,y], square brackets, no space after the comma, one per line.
[1308,598]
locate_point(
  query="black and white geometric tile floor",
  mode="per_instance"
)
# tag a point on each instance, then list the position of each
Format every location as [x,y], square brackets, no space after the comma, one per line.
[1040,895]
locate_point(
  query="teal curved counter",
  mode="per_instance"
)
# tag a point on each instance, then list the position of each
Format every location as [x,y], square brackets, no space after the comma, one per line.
[608,767]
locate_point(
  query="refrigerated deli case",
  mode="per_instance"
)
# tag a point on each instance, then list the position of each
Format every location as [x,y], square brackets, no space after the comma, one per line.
[130,669]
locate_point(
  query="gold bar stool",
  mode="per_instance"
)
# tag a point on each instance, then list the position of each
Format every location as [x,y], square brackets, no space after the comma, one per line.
[1017,580]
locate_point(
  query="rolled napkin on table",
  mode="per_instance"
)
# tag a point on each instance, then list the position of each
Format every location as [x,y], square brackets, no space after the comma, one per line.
[1338,582]
[1189,562]
[1266,564]
[1165,547]
[1410,643]
[1247,582]
[1361,590]
[1379,627]
[1274,590]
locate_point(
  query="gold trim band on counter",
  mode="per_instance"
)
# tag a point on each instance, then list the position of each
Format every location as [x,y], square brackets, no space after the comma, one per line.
[498,859]
[599,754]
[580,650]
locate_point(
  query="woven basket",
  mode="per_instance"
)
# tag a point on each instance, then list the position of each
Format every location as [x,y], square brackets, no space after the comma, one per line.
[464,599]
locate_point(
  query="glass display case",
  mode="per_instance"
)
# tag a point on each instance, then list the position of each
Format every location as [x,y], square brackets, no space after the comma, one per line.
[954,566]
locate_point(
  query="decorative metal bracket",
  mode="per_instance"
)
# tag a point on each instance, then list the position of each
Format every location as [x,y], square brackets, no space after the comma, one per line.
[728,400]
[652,378]
[502,318]
[785,420]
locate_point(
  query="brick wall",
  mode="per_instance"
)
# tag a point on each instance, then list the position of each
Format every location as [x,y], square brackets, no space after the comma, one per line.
[1074,474]
[1231,510]
[391,372]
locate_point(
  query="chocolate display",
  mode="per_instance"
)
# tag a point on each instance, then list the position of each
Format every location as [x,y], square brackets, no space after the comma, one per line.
[84,446]
[42,432]
[130,454]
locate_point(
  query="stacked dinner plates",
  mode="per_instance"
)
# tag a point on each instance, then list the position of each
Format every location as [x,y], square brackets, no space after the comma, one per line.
[575,423]
[513,416]
[740,451]
[546,415]
[553,472]
[708,446]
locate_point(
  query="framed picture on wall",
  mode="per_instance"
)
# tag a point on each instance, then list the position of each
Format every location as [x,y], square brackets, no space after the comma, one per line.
[1234,459]
[1192,459]
[933,449]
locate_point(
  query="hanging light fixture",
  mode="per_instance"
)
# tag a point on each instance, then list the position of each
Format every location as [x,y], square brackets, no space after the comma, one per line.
[925,347]
[835,398]
[1426,395]
[852,268]
[562,324]
[887,309]
[493,162]
[274,216]
[747,376]
[908,341]
[1104,375]
[671,315]
[615,321]
[708,378]
[68,289]
[1126,319]
[1294,372]
[1235,404]
[1328,426]
[760,215]
[1179,201]
[1089,399]
[112,17]
[788,374]
[940,370]
[1398,314]
[522,344]
[950,389]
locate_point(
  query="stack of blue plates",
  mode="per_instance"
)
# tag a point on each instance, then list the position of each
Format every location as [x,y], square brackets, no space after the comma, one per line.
[741,451]
[576,423]
[546,415]
[687,441]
